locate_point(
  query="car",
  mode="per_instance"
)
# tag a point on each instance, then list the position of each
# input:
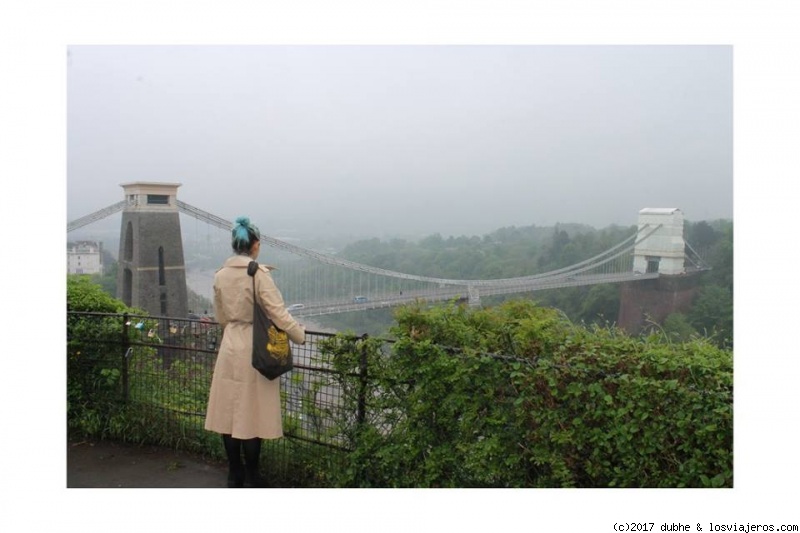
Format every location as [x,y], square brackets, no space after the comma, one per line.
[295,307]
[359,299]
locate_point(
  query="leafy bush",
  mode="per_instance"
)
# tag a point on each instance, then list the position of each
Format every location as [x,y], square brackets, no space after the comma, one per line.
[564,406]
[94,369]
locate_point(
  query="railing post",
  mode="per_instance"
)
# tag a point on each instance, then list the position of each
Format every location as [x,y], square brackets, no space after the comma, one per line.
[126,346]
[362,374]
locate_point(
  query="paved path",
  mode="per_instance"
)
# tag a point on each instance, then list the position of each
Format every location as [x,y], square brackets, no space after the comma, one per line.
[107,464]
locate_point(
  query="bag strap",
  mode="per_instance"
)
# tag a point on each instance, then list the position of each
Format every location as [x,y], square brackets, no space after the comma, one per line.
[252,268]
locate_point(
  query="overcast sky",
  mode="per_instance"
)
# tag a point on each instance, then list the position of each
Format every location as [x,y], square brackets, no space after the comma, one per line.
[388,140]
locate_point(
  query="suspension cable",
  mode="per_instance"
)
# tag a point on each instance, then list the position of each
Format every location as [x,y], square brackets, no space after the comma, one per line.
[336,261]
[97,215]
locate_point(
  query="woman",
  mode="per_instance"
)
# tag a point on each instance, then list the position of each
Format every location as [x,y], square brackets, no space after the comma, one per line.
[243,405]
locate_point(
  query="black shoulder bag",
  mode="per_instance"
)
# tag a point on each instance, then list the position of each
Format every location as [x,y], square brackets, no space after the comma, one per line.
[272,355]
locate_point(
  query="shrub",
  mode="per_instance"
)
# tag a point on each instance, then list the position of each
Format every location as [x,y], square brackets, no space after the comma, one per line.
[94,369]
[563,406]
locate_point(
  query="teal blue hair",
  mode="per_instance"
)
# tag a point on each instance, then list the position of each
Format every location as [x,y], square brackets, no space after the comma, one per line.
[244,235]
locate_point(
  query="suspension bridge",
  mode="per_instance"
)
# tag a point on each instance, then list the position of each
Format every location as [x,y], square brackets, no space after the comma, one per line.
[315,283]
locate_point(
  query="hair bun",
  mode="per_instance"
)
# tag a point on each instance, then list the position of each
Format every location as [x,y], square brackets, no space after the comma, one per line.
[243,234]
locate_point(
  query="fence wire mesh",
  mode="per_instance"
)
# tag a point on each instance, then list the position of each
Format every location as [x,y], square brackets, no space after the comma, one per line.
[165,365]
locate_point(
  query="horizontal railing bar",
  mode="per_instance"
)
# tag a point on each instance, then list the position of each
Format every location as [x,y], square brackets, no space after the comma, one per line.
[318,442]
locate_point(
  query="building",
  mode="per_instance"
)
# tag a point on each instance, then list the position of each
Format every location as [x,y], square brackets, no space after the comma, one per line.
[84,257]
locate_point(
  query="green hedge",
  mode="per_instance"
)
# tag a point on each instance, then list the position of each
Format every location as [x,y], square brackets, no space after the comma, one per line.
[563,406]
[94,362]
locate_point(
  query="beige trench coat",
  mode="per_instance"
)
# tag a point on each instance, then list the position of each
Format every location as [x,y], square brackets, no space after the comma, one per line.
[242,402]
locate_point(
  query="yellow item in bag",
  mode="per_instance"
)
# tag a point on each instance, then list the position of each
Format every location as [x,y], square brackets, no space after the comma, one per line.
[278,343]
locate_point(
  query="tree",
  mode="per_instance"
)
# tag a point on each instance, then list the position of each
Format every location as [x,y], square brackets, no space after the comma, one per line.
[601,304]
[701,235]
[108,279]
[93,364]
[433,242]
[83,294]
[678,328]
[712,314]
[721,259]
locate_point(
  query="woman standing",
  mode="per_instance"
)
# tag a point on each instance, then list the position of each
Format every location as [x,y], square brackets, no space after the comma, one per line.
[243,405]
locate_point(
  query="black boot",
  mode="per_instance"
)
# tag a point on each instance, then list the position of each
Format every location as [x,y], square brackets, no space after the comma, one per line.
[233,449]
[252,453]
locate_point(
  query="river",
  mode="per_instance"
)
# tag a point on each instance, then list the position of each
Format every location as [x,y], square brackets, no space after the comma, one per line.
[202,283]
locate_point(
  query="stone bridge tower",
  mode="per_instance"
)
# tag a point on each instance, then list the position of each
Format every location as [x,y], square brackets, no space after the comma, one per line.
[663,253]
[152,274]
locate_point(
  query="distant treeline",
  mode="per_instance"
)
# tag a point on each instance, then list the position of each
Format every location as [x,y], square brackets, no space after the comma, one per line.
[519,251]
[506,252]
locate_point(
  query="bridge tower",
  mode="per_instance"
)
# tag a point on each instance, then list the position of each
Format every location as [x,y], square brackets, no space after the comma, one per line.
[152,274]
[663,252]
[474,296]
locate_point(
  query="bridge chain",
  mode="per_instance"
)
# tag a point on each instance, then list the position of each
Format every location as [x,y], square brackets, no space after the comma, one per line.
[472,286]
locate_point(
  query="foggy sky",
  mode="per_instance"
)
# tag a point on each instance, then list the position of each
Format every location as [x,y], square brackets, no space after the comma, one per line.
[400,140]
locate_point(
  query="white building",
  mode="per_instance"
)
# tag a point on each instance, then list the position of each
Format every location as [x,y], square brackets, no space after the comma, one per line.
[663,250]
[84,257]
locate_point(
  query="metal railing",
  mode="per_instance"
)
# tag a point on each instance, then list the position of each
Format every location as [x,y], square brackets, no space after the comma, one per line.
[168,363]
[165,366]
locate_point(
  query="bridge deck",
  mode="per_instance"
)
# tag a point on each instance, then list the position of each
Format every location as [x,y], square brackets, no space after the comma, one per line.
[462,293]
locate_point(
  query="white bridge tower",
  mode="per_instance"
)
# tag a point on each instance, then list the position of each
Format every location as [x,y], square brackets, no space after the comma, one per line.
[662,251]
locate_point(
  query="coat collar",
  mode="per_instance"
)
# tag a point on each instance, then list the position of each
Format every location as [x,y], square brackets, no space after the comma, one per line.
[241,261]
